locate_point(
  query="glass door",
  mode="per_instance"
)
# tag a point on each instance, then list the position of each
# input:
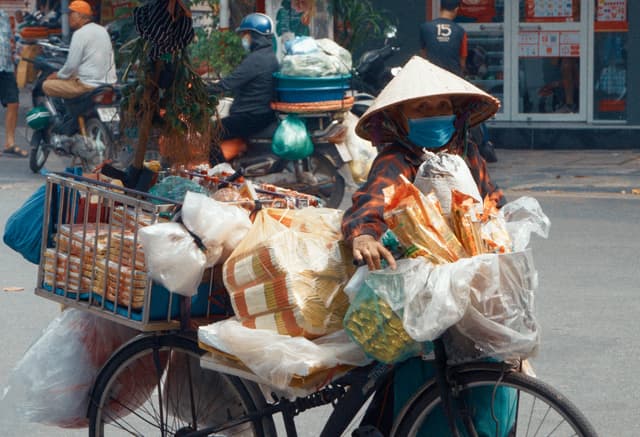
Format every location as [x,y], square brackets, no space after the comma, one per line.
[484,22]
[549,51]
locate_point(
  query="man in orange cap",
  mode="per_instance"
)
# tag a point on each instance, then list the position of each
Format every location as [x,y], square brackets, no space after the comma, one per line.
[90,62]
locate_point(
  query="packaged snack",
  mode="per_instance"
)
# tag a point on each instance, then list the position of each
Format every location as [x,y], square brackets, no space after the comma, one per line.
[419,225]
[466,223]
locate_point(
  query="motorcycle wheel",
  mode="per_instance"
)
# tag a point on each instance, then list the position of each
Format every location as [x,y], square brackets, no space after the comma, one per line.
[99,132]
[39,151]
[324,181]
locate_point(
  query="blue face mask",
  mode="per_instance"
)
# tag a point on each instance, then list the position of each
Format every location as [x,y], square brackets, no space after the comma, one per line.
[431,132]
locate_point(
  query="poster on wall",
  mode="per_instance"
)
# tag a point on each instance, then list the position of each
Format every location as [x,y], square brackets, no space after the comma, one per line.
[549,44]
[611,16]
[478,11]
[550,11]
[300,18]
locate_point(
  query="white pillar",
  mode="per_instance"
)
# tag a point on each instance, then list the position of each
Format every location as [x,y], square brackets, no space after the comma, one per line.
[225,14]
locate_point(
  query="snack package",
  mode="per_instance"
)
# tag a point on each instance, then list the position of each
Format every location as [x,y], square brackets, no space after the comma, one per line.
[419,225]
[288,280]
[494,232]
[466,223]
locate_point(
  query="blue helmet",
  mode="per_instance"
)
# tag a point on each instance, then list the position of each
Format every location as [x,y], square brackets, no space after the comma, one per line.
[256,22]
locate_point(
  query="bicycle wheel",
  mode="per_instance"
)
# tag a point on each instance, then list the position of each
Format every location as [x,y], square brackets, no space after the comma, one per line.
[155,386]
[536,408]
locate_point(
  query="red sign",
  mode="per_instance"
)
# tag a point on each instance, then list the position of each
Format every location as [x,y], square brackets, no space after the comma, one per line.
[551,11]
[482,11]
[611,16]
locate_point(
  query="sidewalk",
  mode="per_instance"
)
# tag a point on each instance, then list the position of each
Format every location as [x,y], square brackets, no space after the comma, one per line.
[593,171]
[588,171]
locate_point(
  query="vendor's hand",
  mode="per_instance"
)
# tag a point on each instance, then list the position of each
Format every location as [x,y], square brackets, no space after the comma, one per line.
[368,249]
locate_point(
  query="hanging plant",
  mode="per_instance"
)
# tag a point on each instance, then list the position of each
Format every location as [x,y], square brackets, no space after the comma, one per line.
[358,21]
[165,98]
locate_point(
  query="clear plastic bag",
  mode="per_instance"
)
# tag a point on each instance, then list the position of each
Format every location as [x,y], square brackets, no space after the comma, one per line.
[276,358]
[329,59]
[288,280]
[499,321]
[362,151]
[52,381]
[173,258]
[291,139]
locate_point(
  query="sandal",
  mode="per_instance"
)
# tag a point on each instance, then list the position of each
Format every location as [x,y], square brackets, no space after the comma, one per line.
[15,150]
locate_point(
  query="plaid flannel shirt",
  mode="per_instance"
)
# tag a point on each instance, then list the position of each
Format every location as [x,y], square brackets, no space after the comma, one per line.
[366,214]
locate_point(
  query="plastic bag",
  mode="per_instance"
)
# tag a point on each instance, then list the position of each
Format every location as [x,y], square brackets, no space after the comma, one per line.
[301,45]
[291,139]
[277,358]
[442,173]
[499,321]
[288,280]
[220,226]
[175,188]
[173,258]
[362,151]
[328,59]
[373,324]
[52,382]
[523,217]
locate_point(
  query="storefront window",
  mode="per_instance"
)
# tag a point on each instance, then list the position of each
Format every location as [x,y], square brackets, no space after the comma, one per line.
[484,24]
[549,56]
[610,60]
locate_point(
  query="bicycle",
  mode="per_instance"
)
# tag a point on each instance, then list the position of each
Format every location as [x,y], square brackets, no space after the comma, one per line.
[540,407]
[158,383]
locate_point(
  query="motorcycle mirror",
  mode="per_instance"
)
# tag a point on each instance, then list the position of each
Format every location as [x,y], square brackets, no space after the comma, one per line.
[390,32]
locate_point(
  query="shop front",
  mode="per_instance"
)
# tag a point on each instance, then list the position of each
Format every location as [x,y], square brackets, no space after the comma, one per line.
[559,67]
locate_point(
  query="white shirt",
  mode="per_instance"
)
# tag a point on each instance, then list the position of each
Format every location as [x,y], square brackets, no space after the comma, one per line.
[90,56]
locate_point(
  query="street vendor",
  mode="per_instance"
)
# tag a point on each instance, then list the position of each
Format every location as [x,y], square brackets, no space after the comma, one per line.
[423,108]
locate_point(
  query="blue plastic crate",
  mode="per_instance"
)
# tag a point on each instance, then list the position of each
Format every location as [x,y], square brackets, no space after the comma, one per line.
[302,89]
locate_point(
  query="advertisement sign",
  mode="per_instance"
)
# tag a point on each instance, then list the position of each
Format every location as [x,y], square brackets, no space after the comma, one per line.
[549,44]
[550,11]
[611,16]
[481,11]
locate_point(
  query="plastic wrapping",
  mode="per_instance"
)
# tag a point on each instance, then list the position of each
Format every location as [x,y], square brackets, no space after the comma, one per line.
[175,188]
[277,358]
[523,217]
[52,381]
[443,172]
[288,280]
[173,258]
[485,301]
[321,222]
[372,322]
[362,151]
[220,226]
[499,322]
[291,139]
[329,59]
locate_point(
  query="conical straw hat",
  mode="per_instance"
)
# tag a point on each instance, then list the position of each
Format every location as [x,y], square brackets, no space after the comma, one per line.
[420,79]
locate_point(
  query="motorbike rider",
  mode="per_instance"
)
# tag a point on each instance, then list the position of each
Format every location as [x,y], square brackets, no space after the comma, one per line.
[90,62]
[251,82]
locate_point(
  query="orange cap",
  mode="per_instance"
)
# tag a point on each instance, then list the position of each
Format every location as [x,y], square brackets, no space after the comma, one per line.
[81,7]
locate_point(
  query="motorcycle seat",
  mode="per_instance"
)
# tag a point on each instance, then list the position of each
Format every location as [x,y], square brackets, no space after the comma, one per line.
[267,132]
[94,92]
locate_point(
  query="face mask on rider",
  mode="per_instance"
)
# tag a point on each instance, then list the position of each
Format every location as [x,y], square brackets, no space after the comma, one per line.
[246,43]
[431,132]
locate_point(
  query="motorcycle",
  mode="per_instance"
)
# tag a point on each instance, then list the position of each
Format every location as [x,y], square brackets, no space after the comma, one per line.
[78,128]
[371,74]
[318,174]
